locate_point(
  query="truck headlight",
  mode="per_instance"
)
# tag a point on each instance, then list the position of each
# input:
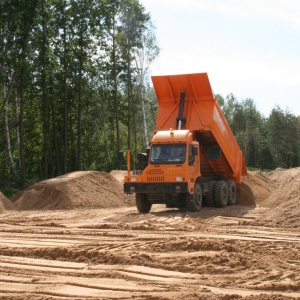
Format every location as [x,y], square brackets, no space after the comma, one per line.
[178,178]
[132,179]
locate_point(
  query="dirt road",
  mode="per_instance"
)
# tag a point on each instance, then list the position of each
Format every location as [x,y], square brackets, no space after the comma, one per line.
[115,253]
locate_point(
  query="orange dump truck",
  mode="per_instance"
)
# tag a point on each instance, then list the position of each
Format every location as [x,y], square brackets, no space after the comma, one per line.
[194,157]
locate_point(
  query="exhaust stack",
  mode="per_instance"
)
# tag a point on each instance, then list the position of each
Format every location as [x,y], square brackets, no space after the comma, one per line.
[180,119]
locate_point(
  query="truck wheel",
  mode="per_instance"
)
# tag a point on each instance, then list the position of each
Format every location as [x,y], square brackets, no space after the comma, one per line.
[221,194]
[194,201]
[232,192]
[210,197]
[143,205]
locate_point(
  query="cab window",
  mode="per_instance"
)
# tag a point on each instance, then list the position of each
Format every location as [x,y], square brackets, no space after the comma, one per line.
[168,154]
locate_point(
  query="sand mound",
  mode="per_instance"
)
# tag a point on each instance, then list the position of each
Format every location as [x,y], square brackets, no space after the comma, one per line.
[284,201]
[278,191]
[5,204]
[118,174]
[254,189]
[72,191]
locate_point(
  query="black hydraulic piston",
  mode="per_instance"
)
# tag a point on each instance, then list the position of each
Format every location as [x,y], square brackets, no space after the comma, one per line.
[180,119]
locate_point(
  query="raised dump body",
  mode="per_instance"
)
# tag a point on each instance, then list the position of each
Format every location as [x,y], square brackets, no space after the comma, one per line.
[220,153]
[194,157]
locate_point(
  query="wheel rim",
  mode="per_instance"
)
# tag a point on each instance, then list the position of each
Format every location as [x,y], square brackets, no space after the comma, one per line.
[232,192]
[224,194]
[221,194]
[198,198]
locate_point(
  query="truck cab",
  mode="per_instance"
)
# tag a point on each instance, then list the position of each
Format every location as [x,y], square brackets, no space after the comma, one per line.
[172,170]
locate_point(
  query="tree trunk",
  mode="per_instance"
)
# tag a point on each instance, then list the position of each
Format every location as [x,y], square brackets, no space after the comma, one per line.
[116,94]
[45,105]
[17,111]
[11,159]
[144,115]
[106,137]
[129,100]
[7,133]
[79,107]
[55,141]
[22,104]
[4,94]
[65,106]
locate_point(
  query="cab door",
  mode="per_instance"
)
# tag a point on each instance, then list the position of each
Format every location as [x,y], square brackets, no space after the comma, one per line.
[193,163]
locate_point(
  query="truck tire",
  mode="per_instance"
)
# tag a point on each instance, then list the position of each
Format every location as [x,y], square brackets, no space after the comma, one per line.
[143,205]
[221,194]
[210,197]
[232,192]
[194,201]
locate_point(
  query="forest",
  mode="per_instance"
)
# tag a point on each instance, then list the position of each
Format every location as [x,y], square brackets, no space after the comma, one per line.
[76,93]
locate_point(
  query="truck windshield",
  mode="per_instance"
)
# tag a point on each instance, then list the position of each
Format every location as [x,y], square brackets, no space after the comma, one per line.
[168,154]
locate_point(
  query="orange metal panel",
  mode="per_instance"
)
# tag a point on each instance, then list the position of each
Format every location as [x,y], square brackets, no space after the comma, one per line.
[203,117]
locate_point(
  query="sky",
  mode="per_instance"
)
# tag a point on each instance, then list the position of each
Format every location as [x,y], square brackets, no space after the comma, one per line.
[250,48]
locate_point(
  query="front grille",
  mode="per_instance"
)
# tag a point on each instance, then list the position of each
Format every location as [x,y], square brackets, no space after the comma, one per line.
[155,175]
[155,178]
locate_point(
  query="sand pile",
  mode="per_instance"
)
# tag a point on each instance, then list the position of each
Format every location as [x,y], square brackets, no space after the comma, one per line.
[279,191]
[5,204]
[254,189]
[71,191]
[284,201]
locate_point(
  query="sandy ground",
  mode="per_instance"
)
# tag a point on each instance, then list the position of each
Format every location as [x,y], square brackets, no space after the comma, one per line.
[57,244]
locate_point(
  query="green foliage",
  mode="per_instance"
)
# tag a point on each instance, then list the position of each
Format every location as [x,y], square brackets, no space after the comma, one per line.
[266,143]
[70,87]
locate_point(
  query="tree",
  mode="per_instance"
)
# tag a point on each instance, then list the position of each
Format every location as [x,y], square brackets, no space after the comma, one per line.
[275,126]
[284,136]
[143,58]
[133,20]
[247,125]
[17,21]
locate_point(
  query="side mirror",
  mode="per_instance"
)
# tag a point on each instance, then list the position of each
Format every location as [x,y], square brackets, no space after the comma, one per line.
[195,150]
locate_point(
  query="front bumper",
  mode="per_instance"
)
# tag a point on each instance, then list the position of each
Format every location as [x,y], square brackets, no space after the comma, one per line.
[165,187]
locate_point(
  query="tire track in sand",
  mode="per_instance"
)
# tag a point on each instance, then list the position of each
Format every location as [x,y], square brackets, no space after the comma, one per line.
[165,254]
